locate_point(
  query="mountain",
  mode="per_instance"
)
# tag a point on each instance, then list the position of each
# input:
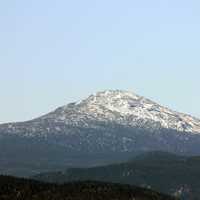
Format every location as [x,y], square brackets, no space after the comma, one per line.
[106,127]
[160,171]
[108,107]
[21,189]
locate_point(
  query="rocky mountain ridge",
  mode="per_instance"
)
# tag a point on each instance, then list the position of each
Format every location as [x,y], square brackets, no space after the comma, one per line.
[110,106]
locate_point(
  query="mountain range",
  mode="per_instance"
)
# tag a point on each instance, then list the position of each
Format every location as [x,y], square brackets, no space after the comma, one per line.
[164,172]
[106,127]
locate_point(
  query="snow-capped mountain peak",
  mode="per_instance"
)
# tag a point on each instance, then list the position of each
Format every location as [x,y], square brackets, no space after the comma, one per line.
[124,108]
[111,100]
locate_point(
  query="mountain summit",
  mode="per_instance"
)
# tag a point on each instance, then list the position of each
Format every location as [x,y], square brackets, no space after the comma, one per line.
[124,108]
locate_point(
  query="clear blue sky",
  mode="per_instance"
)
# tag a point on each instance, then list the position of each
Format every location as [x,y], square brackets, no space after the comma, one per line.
[55,52]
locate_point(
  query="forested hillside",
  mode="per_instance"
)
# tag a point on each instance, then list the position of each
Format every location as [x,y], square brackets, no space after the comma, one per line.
[21,189]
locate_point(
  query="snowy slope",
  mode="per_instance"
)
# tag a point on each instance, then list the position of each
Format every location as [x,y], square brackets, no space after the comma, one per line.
[124,108]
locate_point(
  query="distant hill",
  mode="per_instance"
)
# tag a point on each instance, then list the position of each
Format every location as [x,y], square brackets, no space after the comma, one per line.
[21,189]
[164,172]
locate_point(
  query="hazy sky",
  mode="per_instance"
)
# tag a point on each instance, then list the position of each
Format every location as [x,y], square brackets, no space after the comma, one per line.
[55,52]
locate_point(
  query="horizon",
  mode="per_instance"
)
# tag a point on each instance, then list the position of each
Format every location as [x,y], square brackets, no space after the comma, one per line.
[102,91]
[54,53]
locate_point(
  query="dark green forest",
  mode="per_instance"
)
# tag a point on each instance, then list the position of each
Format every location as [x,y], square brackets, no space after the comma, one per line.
[23,189]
